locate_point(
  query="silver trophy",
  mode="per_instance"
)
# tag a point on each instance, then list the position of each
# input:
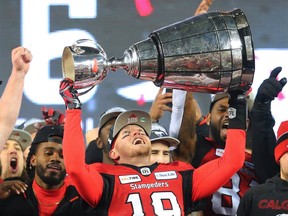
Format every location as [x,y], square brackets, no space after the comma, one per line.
[209,53]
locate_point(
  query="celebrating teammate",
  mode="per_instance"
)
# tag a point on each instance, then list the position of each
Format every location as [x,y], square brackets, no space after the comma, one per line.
[11,98]
[133,186]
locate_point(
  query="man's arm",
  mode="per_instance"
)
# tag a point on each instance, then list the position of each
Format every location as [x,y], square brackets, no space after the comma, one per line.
[187,133]
[209,177]
[88,182]
[262,123]
[177,112]
[11,98]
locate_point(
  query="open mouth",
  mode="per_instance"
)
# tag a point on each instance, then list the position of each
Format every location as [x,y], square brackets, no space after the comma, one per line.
[138,141]
[225,125]
[13,163]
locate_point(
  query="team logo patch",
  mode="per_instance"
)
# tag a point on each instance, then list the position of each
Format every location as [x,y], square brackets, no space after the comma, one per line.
[165,175]
[129,179]
[219,152]
[145,171]
[133,118]
[231,112]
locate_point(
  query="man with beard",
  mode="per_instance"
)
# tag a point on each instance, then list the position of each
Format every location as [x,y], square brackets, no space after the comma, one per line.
[49,191]
[226,200]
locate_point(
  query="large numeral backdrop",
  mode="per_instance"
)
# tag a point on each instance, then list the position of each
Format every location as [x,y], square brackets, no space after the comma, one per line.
[47,26]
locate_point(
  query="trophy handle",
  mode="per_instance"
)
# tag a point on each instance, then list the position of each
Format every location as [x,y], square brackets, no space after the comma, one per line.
[85,91]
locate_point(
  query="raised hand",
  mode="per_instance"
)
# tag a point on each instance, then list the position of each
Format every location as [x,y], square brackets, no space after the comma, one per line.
[21,58]
[159,104]
[69,94]
[237,111]
[270,88]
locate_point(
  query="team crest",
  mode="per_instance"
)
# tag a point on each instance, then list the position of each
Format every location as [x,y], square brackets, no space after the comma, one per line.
[219,152]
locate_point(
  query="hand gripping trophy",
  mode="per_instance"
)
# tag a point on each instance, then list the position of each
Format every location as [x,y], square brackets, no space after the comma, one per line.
[212,52]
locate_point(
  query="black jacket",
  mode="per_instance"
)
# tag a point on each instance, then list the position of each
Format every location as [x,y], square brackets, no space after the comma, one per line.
[268,199]
[27,205]
[263,141]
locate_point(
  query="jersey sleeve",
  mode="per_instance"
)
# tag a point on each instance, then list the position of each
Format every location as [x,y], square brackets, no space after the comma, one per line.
[263,142]
[209,177]
[177,112]
[88,181]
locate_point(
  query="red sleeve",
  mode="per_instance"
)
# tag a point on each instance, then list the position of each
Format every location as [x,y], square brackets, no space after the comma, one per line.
[88,182]
[209,177]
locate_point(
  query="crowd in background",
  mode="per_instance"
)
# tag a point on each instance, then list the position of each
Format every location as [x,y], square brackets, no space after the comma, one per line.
[225,162]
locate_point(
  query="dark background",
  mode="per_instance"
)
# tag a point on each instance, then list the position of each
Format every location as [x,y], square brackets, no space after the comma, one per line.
[117,25]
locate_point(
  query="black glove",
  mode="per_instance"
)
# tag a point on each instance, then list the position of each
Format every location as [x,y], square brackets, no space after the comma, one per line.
[69,94]
[270,88]
[237,110]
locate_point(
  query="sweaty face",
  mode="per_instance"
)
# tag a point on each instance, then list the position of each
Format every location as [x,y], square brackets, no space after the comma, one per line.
[219,121]
[132,142]
[12,160]
[49,164]
[160,152]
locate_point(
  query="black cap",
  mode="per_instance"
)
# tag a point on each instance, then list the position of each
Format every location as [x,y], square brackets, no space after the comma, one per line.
[217,97]
[48,133]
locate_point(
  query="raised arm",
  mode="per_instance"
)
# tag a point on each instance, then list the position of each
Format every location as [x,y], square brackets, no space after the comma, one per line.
[211,176]
[177,112]
[262,123]
[187,133]
[11,98]
[88,182]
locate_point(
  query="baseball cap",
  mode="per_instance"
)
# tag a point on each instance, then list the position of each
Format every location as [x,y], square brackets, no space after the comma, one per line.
[47,133]
[282,141]
[109,114]
[133,117]
[22,137]
[217,97]
[249,97]
[32,125]
[158,132]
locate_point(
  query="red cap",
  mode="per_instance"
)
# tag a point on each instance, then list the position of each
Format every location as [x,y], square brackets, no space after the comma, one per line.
[282,141]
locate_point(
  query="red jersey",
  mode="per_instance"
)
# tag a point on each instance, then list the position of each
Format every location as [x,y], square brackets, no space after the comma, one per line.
[148,190]
[158,189]
[225,201]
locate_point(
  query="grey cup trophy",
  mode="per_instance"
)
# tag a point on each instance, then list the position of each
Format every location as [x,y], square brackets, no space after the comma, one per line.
[209,53]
